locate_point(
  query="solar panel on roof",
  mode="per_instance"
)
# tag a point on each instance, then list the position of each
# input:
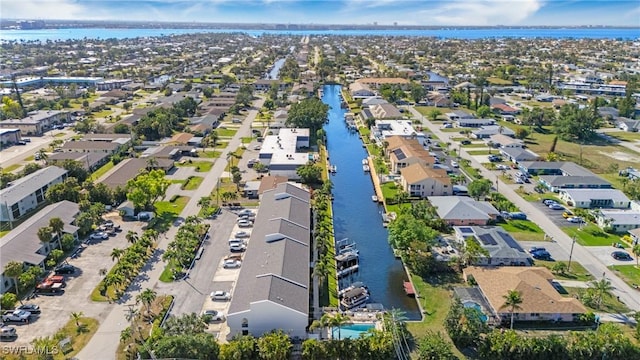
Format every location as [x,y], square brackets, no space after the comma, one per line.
[399,154]
[510,241]
[465,230]
[487,239]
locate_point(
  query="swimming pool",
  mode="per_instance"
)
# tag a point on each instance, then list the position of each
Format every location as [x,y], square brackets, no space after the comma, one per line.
[351,331]
[475,305]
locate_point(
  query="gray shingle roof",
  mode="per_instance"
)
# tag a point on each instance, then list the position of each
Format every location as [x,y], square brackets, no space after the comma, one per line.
[22,243]
[26,185]
[276,264]
[559,181]
[461,207]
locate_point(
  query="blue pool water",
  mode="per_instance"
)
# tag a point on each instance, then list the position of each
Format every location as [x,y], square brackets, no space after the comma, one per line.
[475,305]
[351,331]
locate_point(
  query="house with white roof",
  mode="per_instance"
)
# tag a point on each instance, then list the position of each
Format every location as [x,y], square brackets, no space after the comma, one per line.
[26,193]
[272,291]
[285,152]
[383,129]
[463,210]
[595,198]
[618,221]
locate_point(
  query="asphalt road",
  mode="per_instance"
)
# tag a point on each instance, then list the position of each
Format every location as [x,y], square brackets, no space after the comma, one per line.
[594,264]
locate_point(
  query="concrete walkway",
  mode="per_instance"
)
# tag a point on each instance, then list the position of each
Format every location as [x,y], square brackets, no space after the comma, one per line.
[104,343]
[628,296]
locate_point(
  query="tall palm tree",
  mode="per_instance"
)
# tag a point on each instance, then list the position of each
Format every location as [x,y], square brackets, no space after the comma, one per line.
[76,316]
[13,270]
[132,236]
[57,225]
[601,288]
[636,251]
[45,235]
[147,297]
[513,299]
[116,254]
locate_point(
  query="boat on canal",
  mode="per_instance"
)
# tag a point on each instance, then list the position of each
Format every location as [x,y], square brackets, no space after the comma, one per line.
[355,285]
[347,263]
[354,298]
[366,168]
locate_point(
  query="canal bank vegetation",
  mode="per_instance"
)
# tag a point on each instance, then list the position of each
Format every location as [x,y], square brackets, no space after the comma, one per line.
[324,246]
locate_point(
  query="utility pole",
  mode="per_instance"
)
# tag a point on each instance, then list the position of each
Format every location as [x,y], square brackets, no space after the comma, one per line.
[573,242]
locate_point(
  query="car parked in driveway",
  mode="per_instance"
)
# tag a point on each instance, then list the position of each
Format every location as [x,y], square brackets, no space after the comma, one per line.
[64,269]
[502,167]
[541,255]
[100,235]
[213,315]
[242,234]
[8,332]
[536,249]
[556,206]
[621,255]
[237,247]
[32,308]
[220,295]
[575,220]
[231,264]
[245,223]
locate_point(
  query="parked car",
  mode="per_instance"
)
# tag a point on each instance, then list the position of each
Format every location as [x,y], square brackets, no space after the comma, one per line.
[237,247]
[541,255]
[213,315]
[220,295]
[246,212]
[502,167]
[231,264]
[454,164]
[549,201]
[64,269]
[621,255]
[446,126]
[536,249]
[567,214]
[100,235]
[465,142]
[16,316]
[556,206]
[245,223]
[32,308]
[575,220]
[495,158]
[8,332]
[518,216]
[242,234]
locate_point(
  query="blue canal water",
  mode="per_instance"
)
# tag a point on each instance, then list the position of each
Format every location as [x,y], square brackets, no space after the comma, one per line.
[358,218]
[275,70]
[455,33]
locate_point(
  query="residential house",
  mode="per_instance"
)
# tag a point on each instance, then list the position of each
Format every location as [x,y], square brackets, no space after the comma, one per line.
[518,155]
[90,161]
[272,291]
[382,130]
[504,141]
[635,235]
[265,85]
[564,168]
[404,152]
[458,115]
[618,221]
[540,299]
[501,247]
[463,210]
[628,125]
[37,122]
[22,243]
[270,182]
[130,168]
[595,198]
[360,91]
[608,112]
[375,83]
[370,101]
[284,153]
[10,136]
[26,193]
[422,180]
[250,189]
[504,109]
[279,119]
[438,100]
[475,123]
[556,183]
[485,132]
[385,111]
[101,147]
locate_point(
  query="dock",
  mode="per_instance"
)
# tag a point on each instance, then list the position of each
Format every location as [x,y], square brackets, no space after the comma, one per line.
[376,180]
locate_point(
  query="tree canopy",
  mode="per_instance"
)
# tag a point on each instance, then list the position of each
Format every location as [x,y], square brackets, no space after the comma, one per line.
[478,189]
[309,113]
[407,229]
[144,189]
[577,124]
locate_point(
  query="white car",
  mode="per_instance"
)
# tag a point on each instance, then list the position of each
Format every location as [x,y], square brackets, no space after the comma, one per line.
[454,164]
[220,295]
[244,223]
[100,235]
[213,315]
[237,247]
[257,147]
[575,219]
[242,234]
[231,264]
[502,167]
[246,212]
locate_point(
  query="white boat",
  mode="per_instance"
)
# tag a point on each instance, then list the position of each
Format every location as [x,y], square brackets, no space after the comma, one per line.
[374,198]
[355,285]
[354,298]
[347,263]
[333,169]
[365,168]
[365,162]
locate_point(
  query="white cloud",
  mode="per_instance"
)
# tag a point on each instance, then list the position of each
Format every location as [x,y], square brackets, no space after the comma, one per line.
[482,12]
[44,9]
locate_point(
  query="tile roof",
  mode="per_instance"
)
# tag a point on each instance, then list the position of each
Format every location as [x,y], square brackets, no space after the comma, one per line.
[419,172]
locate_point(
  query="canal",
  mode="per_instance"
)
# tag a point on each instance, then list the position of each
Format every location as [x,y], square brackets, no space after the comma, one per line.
[274,73]
[357,218]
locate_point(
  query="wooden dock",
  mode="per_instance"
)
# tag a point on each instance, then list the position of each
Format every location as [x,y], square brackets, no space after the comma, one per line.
[375,179]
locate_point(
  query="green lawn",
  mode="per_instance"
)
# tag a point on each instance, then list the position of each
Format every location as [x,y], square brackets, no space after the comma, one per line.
[246,140]
[629,273]
[102,114]
[11,168]
[524,230]
[476,145]
[425,110]
[193,182]
[625,136]
[103,170]
[209,154]
[577,272]
[4,232]
[471,171]
[479,152]
[609,303]
[201,166]
[591,235]
[173,207]
[226,132]
[497,81]
[30,158]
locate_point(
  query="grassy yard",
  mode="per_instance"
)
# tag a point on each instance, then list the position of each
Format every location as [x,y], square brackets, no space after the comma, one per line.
[591,235]
[102,114]
[524,230]
[246,140]
[103,170]
[476,145]
[609,303]
[577,271]
[470,170]
[226,132]
[4,232]
[11,168]
[625,136]
[209,154]
[537,197]
[193,182]
[629,273]
[201,166]
[173,207]
[479,152]
[497,81]
[425,110]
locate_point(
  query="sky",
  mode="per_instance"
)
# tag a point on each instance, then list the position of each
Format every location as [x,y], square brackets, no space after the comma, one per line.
[382,12]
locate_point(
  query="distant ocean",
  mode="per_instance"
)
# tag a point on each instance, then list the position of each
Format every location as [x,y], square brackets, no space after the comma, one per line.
[528,33]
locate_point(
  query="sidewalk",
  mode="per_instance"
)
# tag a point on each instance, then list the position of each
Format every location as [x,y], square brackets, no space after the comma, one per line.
[104,343]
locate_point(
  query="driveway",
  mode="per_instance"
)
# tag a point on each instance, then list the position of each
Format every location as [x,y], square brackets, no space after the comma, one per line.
[580,254]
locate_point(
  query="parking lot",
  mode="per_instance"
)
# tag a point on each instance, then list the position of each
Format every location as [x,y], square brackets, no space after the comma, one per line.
[57,309]
[554,215]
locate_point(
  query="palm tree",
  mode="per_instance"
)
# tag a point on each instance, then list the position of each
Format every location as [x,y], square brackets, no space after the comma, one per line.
[13,270]
[636,251]
[337,321]
[147,297]
[57,225]
[132,236]
[76,316]
[321,323]
[116,254]
[513,299]
[42,155]
[45,235]
[601,288]
[204,202]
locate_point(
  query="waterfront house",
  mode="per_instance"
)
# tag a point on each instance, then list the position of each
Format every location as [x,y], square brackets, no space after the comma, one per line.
[618,221]
[540,299]
[375,83]
[463,210]
[595,198]
[383,130]
[360,91]
[405,152]
[385,111]
[285,152]
[501,248]
[26,193]
[22,244]
[422,180]
[272,291]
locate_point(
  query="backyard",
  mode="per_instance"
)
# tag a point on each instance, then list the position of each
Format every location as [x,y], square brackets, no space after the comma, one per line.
[577,271]
[524,230]
[629,273]
[591,235]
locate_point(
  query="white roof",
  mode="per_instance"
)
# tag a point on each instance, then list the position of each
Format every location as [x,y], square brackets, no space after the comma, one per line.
[590,194]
